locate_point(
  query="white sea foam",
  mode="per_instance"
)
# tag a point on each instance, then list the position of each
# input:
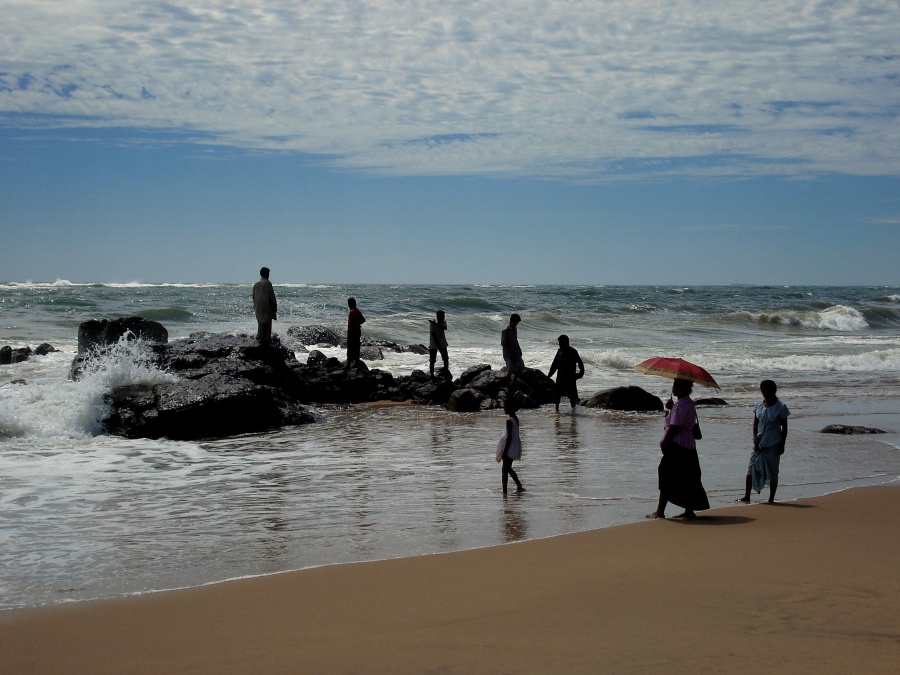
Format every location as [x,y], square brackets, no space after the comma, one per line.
[838,317]
[61,408]
[874,361]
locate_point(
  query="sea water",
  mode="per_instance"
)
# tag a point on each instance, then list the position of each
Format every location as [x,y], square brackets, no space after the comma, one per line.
[87,515]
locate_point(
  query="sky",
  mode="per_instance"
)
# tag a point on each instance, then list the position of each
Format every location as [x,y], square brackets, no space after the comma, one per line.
[424,141]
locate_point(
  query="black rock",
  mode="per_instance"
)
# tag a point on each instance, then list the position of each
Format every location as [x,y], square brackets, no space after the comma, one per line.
[465,400]
[471,373]
[10,355]
[225,385]
[315,357]
[625,398]
[371,353]
[710,402]
[314,335]
[100,333]
[849,430]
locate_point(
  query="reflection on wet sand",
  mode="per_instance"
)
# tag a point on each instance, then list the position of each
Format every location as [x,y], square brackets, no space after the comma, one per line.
[515,527]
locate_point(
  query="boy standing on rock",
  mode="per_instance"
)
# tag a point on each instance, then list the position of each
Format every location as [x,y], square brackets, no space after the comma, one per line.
[437,341]
[355,320]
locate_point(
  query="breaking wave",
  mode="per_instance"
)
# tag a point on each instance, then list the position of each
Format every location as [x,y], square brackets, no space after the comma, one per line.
[75,409]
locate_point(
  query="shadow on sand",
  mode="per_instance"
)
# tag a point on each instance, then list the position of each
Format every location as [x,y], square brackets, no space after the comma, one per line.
[713,520]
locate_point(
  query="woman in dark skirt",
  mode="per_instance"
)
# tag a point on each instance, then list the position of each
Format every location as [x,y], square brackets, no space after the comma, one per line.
[679,470]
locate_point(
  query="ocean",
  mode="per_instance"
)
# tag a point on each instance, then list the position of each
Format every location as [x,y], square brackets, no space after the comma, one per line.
[85,515]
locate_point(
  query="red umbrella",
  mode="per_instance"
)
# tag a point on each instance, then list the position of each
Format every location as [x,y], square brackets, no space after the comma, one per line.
[676,369]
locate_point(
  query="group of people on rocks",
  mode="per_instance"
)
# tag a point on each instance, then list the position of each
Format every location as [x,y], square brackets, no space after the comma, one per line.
[679,470]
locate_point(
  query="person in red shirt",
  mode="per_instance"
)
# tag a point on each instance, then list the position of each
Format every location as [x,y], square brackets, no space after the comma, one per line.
[355,320]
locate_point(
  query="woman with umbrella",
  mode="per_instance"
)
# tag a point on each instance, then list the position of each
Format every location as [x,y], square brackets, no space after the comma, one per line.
[679,470]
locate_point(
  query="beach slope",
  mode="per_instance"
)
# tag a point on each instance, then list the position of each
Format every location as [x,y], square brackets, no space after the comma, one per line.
[808,586]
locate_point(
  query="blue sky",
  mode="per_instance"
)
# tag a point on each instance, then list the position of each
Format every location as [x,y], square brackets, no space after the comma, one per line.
[451,142]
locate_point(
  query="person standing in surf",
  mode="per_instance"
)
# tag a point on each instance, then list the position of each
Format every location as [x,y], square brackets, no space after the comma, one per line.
[571,369]
[512,352]
[770,428]
[355,320]
[265,305]
[437,341]
[509,448]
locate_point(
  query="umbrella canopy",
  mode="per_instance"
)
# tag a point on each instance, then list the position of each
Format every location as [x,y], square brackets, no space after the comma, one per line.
[676,369]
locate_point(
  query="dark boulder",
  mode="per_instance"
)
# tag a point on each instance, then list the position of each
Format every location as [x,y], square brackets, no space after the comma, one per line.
[471,373]
[314,335]
[371,353]
[10,355]
[100,333]
[192,410]
[415,349]
[44,348]
[223,385]
[465,400]
[710,402]
[847,430]
[315,357]
[625,398]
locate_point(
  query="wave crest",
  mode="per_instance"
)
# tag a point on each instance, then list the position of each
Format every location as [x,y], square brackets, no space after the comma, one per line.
[836,317]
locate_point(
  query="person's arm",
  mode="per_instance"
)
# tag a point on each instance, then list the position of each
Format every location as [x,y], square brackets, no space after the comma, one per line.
[580,365]
[554,365]
[783,435]
[755,432]
[274,302]
[669,435]
[509,435]
[674,418]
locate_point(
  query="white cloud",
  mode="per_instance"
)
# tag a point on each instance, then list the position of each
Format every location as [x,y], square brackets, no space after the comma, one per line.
[582,90]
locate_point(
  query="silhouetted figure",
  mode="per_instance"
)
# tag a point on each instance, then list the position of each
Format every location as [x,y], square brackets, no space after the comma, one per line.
[770,428]
[571,369]
[509,447]
[679,470]
[265,305]
[512,352]
[355,320]
[437,341]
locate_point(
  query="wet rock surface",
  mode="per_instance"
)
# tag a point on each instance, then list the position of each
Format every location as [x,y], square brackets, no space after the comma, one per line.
[631,398]
[847,430]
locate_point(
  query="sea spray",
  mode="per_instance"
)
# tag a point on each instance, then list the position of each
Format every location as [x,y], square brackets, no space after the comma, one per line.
[67,409]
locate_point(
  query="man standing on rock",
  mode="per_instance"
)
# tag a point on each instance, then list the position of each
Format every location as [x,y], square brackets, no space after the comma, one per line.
[265,305]
[512,352]
[355,320]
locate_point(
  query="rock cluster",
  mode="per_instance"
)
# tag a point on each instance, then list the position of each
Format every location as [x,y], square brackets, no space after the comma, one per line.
[371,350]
[223,385]
[9,355]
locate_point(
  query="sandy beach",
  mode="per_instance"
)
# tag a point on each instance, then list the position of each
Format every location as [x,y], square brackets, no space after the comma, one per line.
[807,586]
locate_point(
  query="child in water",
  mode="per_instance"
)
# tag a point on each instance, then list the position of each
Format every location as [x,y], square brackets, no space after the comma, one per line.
[509,448]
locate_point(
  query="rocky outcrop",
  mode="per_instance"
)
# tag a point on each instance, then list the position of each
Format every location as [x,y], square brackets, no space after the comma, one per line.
[100,333]
[847,430]
[9,355]
[372,350]
[223,385]
[625,398]
[313,335]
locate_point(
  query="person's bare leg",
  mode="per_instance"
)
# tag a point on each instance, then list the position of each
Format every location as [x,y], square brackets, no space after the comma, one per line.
[746,497]
[660,508]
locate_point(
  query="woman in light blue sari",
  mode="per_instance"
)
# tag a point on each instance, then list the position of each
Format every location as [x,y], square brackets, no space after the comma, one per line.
[770,429]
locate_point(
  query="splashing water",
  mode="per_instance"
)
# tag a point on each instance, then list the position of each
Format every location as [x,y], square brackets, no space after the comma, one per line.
[75,409]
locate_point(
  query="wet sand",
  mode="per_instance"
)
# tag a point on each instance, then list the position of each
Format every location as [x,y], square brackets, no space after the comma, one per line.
[807,586]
